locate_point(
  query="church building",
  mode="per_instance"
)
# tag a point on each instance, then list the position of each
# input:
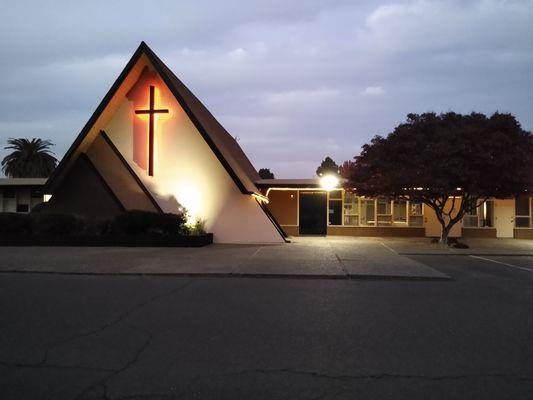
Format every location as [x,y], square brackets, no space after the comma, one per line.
[152,145]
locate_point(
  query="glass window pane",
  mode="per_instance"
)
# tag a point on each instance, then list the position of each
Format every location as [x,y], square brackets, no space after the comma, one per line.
[522,205]
[522,222]
[36,193]
[335,194]
[470,221]
[9,193]
[415,208]
[399,211]
[367,212]
[351,209]
[335,212]
[384,206]
[351,220]
[416,220]
[487,214]
[23,208]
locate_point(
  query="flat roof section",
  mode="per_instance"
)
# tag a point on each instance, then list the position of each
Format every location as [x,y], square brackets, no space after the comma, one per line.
[292,183]
[22,181]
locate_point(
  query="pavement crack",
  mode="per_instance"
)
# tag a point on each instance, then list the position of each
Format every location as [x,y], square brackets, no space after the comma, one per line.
[348,377]
[103,382]
[381,376]
[341,263]
[54,366]
[118,319]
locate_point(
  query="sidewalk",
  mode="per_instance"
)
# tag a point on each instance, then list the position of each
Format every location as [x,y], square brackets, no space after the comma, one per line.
[325,258]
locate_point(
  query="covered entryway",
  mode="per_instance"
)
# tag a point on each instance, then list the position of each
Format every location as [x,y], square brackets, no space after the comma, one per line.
[313,213]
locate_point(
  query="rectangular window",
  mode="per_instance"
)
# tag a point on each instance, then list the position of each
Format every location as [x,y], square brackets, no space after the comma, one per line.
[399,212]
[416,217]
[487,214]
[384,212]
[471,218]
[367,212]
[480,217]
[335,212]
[36,193]
[522,212]
[9,193]
[23,208]
[335,207]
[351,209]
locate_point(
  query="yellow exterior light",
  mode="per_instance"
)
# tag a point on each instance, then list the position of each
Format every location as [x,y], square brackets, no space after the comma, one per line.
[329,182]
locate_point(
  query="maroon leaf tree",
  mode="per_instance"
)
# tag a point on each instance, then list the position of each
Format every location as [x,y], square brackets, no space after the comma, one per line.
[450,162]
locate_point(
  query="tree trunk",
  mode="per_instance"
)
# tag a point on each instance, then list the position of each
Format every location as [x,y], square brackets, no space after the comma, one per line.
[444,233]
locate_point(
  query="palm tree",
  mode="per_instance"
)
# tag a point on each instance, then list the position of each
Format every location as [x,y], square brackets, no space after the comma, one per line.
[29,159]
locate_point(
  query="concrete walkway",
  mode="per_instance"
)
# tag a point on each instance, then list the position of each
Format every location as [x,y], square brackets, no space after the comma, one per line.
[310,257]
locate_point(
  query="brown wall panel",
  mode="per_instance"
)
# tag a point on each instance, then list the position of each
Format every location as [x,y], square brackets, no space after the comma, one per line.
[290,230]
[283,204]
[375,231]
[479,232]
[523,233]
[83,192]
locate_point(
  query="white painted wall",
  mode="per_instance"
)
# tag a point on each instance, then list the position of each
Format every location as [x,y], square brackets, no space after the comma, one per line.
[187,173]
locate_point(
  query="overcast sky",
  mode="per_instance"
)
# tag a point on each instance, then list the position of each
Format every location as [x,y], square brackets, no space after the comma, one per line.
[294,81]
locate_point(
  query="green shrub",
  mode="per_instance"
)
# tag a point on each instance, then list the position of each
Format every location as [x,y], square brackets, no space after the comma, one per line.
[58,224]
[139,222]
[198,228]
[15,224]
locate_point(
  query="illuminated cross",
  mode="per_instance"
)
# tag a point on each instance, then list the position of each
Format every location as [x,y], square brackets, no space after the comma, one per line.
[151,113]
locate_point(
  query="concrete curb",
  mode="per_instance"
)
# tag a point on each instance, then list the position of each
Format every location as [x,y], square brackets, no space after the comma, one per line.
[469,254]
[235,275]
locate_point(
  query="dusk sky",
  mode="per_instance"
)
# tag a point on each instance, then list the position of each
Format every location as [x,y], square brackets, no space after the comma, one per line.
[294,81]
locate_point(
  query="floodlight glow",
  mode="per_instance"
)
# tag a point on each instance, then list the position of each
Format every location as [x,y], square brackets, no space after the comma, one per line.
[329,182]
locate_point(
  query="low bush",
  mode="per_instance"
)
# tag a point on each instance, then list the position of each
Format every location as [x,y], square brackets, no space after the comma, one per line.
[133,222]
[58,224]
[15,224]
[139,222]
[198,228]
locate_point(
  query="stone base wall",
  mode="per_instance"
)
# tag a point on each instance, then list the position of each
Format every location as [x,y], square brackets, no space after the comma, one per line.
[523,233]
[479,233]
[364,231]
[376,231]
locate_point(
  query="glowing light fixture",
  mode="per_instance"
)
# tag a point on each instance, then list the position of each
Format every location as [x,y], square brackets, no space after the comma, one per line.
[329,182]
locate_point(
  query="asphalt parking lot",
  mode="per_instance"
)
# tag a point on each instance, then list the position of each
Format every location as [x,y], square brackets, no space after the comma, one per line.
[66,336]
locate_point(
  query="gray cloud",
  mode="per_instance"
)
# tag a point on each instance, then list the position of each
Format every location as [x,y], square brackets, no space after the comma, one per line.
[294,81]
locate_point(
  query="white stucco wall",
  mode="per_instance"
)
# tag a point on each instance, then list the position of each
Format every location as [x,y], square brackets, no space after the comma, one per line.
[187,173]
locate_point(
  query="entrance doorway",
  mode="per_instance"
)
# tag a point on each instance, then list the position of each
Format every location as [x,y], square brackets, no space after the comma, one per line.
[504,214]
[313,213]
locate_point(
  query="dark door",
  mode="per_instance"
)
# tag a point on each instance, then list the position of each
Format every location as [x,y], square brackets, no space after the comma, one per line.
[313,213]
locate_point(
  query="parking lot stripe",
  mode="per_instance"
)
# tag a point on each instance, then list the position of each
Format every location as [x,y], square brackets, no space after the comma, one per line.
[503,263]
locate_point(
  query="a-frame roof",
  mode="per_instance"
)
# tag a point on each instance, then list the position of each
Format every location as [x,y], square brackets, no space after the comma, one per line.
[224,146]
